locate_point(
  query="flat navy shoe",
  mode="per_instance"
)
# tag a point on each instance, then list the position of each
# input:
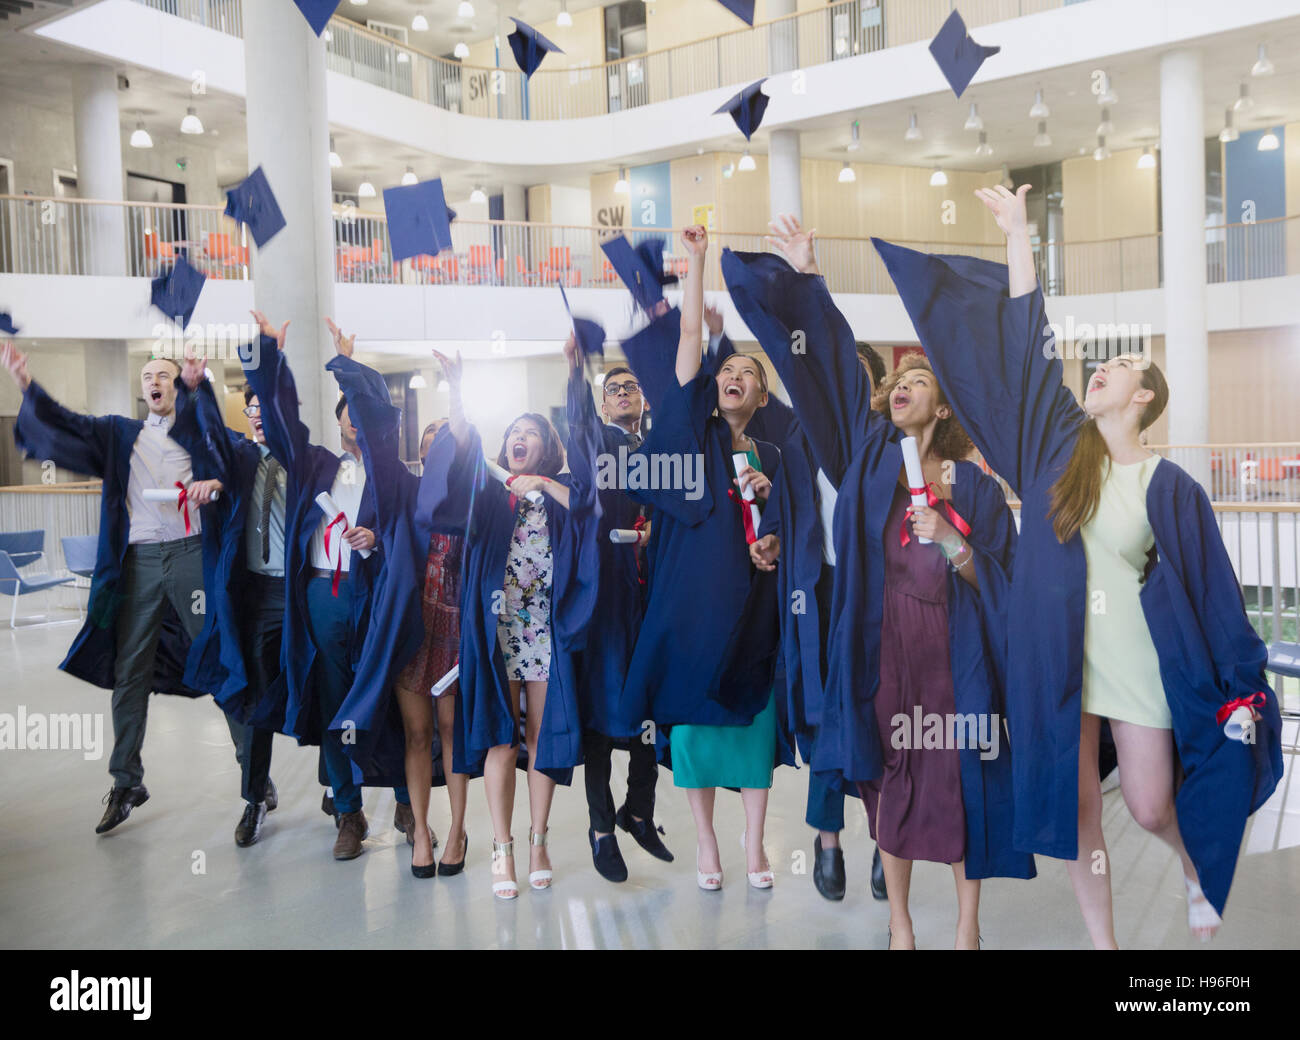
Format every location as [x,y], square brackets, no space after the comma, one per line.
[606,857]
[828,871]
[645,834]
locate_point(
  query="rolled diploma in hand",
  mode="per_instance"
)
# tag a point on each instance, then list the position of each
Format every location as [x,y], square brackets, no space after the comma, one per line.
[915,475]
[624,536]
[440,687]
[1240,725]
[168,495]
[535,497]
[740,460]
[331,509]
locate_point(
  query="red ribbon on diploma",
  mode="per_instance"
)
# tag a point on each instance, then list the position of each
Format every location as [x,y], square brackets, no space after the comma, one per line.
[746,515]
[338,564]
[183,505]
[1250,701]
[514,499]
[933,500]
[639,527]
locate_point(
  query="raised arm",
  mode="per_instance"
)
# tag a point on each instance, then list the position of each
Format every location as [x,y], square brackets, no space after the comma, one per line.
[47,430]
[696,241]
[287,437]
[454,371]
[1009,212]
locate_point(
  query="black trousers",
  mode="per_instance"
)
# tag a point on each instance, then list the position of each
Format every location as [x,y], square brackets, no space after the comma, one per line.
[262,635]
[642,773]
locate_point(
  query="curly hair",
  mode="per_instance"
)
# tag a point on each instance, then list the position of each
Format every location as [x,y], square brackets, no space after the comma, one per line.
[552,461]
[950,440]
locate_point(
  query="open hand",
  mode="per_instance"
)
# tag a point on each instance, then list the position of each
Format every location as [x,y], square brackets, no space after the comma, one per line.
[192,371]
[342,344]
[16,363]
[267,329]
[793,241]
[453,371]
[1007,209]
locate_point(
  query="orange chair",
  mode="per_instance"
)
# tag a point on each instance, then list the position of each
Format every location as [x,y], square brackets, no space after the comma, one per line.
[521,268]
[154,249]
[607,274]
[480,264]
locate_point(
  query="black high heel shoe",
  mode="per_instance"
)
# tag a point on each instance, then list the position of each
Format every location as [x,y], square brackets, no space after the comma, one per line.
[429,869]
[446,869]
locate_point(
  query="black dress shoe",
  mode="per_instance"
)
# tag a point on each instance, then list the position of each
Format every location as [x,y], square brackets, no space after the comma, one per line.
[272,797]
[250,824]
[605,855]
[327,807]
[645,834]
[828,871]
[878,877]
[446,869]
[120,802]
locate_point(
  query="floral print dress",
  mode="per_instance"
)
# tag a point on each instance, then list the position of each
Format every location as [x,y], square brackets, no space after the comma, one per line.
[524,625]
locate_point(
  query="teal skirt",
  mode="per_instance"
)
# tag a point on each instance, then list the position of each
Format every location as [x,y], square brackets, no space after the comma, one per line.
[726,756]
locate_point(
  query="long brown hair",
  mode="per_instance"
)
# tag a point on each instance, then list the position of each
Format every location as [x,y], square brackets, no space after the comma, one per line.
[950,440]
[1077,491]
[552,461]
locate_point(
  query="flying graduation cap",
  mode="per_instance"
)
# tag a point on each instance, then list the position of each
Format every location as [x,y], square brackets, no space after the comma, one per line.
[317,12]
[253,203]
[7,325]
[959,56]
[419,219]
[747,108]
[742,9]
[589,335]
[176,293]
[641,268]
[530,46]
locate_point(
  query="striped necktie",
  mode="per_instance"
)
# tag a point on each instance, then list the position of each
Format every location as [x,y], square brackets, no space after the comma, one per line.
[268,493]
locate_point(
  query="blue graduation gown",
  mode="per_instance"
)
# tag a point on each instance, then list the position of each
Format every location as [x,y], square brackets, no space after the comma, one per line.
[216,661]
[101,446]
[707,648]
[396,627]
[859,451]
[989,351]
[458,497]
[309,470]
[620,599]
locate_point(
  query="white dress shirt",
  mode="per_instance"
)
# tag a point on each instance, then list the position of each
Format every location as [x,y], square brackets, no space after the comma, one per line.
[346,491]
[157,461]
[827,495]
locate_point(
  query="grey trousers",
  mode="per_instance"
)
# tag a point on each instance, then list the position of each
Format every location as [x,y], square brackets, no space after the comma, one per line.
[154,574]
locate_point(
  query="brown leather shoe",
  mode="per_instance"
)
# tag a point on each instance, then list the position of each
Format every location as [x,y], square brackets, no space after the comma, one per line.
[404,821]
[352,832]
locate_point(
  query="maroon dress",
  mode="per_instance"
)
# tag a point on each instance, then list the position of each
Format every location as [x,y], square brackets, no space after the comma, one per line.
[440,649]
[915,808]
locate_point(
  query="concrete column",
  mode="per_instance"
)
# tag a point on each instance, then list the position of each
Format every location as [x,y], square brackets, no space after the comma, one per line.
[514,202]
[782,39]
[1182,189]
[288,135]
[101,230]
[785,182]
[112,381]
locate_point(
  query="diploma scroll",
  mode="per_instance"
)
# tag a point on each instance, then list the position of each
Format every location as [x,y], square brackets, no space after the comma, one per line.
[168,495]
[624,536]
[535,497]
[740,460]
[332,509]
[440,687]
[1240,725]
[915,475]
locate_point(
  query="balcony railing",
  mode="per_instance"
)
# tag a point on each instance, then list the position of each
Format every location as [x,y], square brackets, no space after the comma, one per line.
[87,237]
[832,33]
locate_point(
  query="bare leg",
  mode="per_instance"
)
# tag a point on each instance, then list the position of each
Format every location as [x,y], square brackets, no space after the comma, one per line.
[706,842]
[1090,872]
[1146,778]
[898,881]
[755,802]
[968,909]
[417,721]
[830,839]
[499,781]
[457,783]
[541,788]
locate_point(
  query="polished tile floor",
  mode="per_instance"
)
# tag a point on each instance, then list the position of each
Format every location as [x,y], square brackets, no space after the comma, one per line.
[171,876]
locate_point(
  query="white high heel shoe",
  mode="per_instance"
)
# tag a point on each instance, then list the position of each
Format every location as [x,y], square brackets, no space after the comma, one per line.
[710,882]
[1201,915]
[759,878]
[539,880]
[506,889]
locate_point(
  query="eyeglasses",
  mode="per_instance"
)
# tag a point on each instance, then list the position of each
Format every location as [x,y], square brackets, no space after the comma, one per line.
[629,387]
[252,410]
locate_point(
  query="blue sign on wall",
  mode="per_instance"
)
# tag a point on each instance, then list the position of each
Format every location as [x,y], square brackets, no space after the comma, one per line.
[650,200]
[1254,191]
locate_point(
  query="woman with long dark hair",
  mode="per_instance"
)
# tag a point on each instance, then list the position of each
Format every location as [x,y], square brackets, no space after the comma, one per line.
[1123,603]
[527,597]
